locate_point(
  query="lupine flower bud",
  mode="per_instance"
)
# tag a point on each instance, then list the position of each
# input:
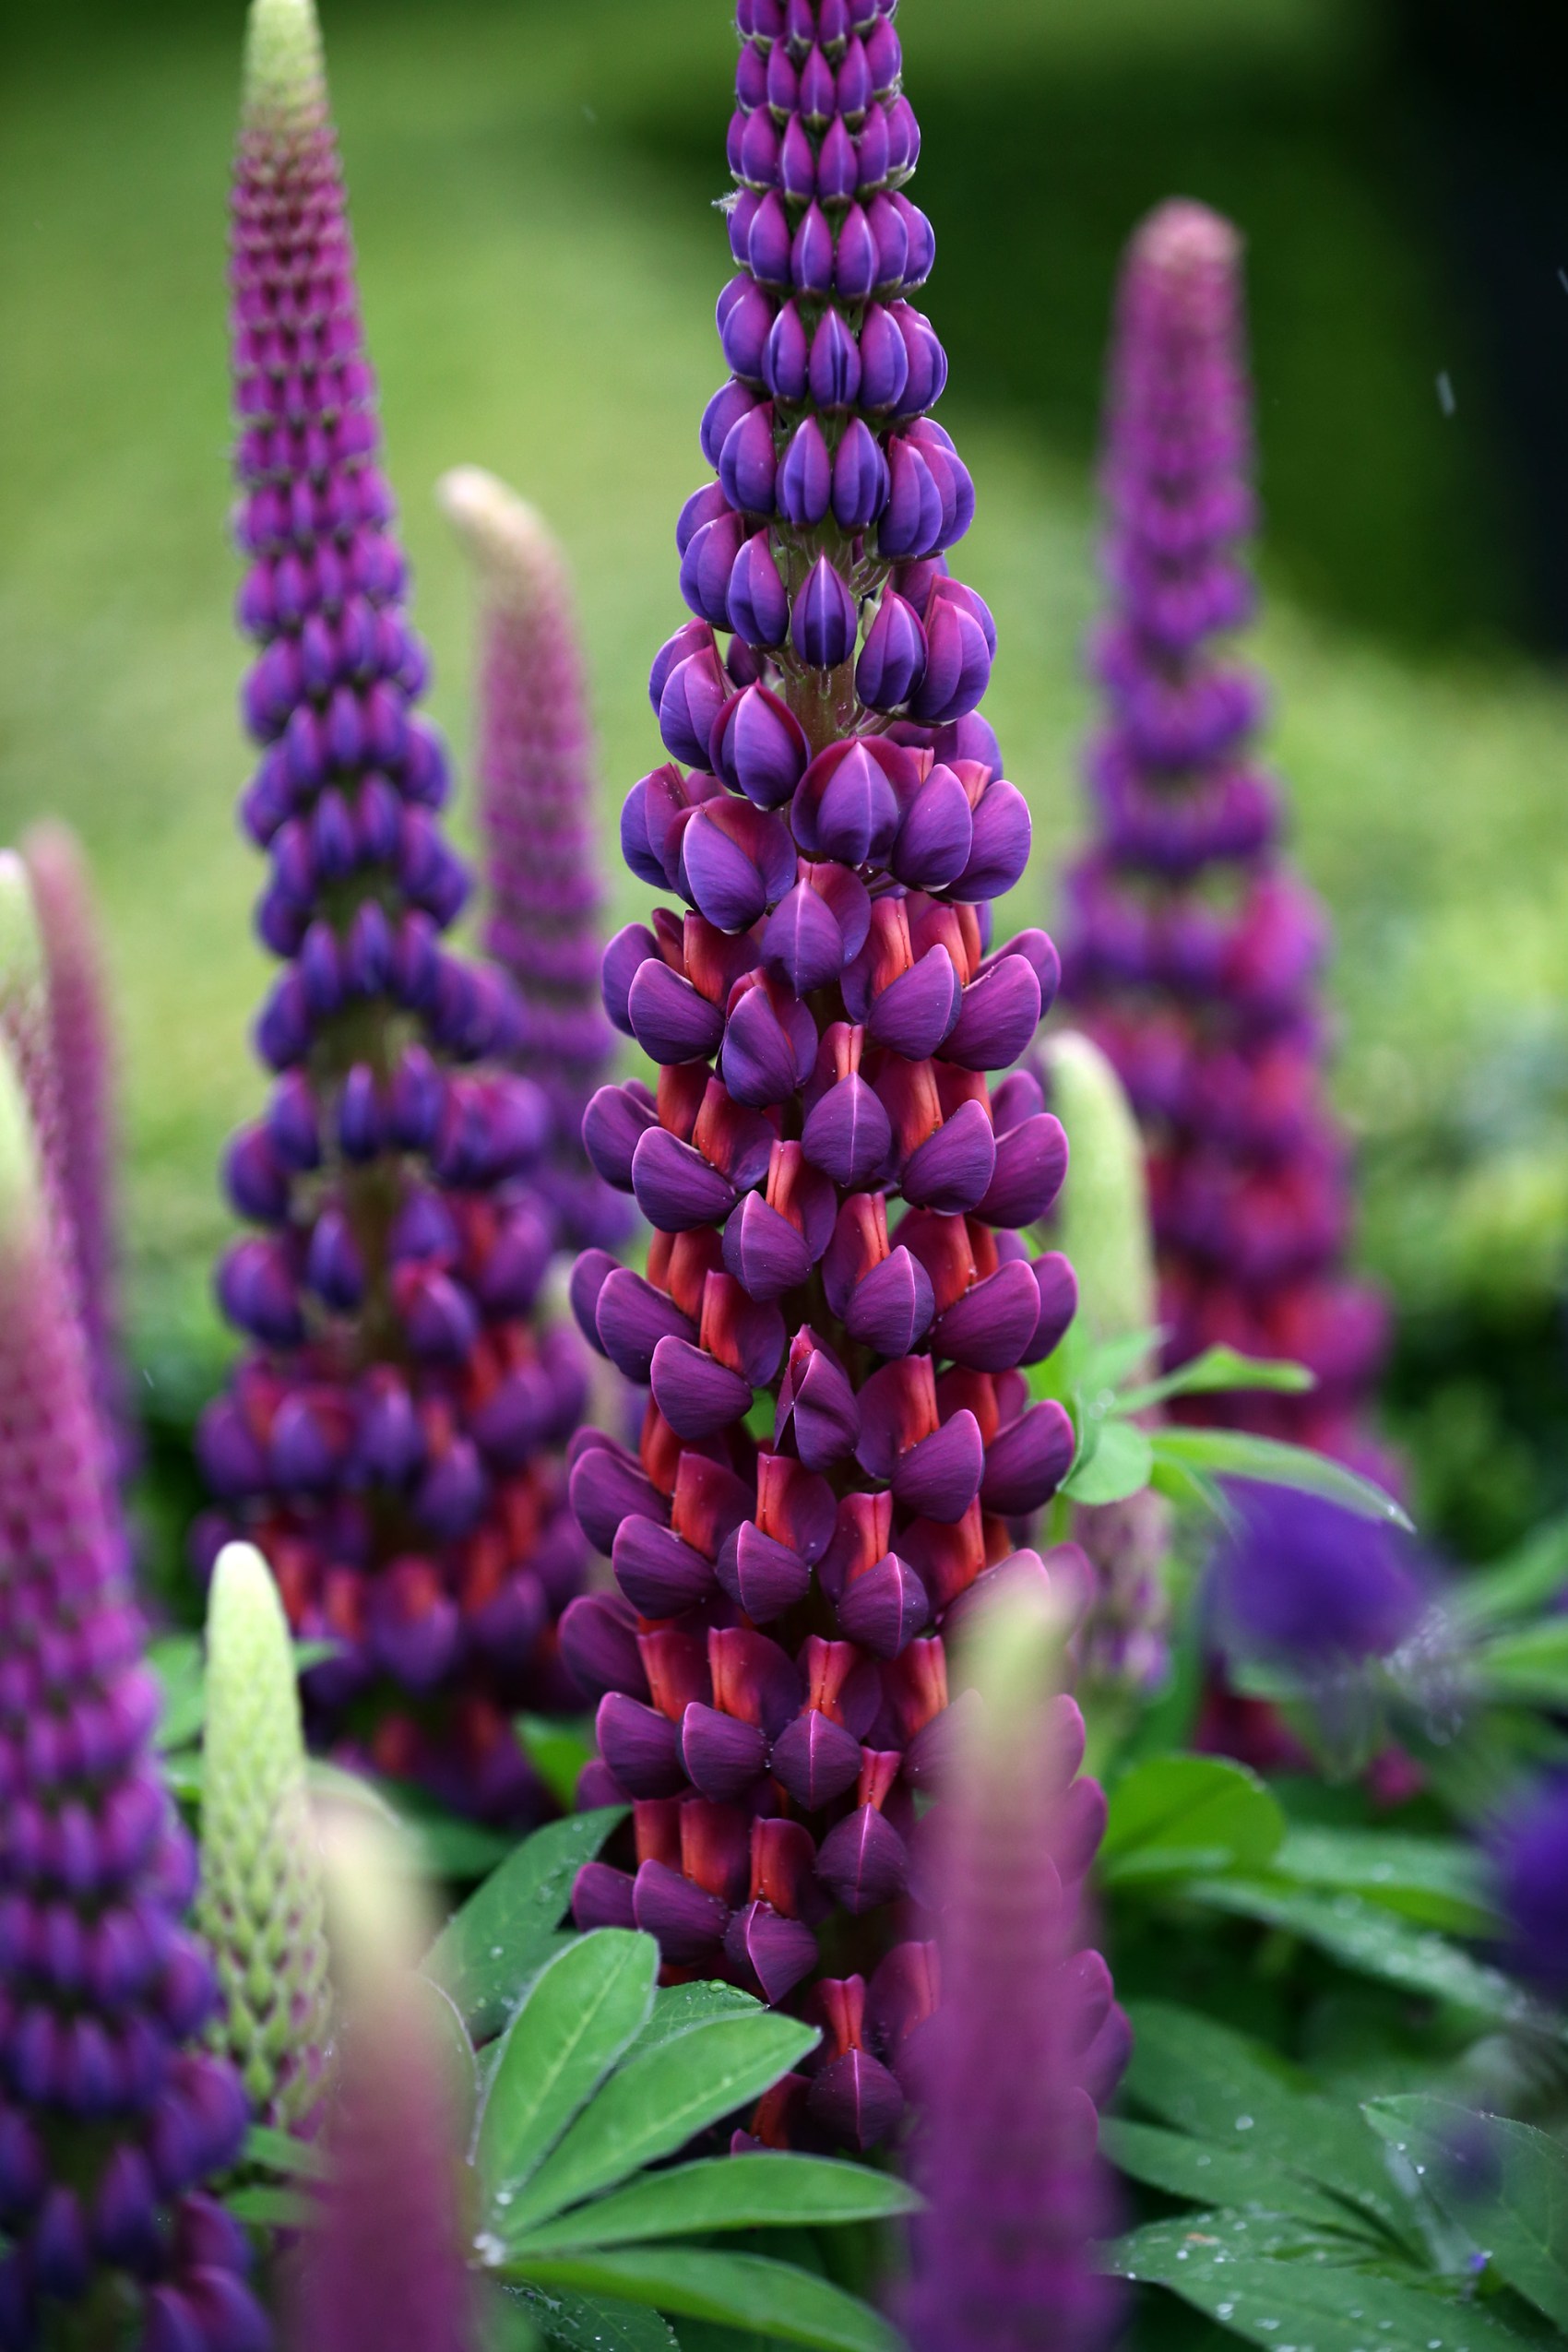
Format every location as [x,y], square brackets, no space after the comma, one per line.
[113,2120]
[384,2263]
[79,1033]
[260,1905]
[389,1439]
[1191,954]
[544,894]
[837,1309]
[1025,2040]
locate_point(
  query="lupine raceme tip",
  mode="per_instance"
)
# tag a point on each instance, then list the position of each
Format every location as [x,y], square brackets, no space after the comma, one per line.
[840,1443]
[1192,953]
[542,889]
[387,1439]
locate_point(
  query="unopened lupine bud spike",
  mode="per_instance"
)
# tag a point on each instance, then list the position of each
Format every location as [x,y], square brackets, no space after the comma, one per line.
[261,1903]
[393,1430]
[544,894]
[384,2261]
[1101,1217]
[1192,953]
[1024,2041]
[826,1021]
[114,2121]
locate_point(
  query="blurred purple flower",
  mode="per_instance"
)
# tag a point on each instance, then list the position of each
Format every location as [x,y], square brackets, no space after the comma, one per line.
[1304,1583]
[1530,1860]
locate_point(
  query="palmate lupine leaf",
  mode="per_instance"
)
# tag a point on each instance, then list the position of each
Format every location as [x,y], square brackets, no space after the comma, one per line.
[1177,1816]
[1503,2183]
[505,1930]
[599,2076]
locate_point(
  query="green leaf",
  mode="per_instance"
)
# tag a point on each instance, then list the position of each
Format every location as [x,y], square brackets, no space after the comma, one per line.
[489,1948]
[1373,1942]
[182,1775]
[746,2290]
[1519,2213]
[1119,1465]
[1190,1490]
[1219,1368]
[1192,2072]
[762,2191]
[579,2322]
[557,1749]
[582,2012]
[1516,1585]
[1278,2287]
[280,2152]
[658,2101]
[1527,1663]
[1437,1881]
[1237,1453]
[264,2205]
[677,2008]
[1107,1364]
[176,1660]
[1205,2174]
[1180,1816]
[449,2036]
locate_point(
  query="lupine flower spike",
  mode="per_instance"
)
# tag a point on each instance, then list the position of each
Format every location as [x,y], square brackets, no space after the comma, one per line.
[1191,954]
[1027,2039]
[1529,1862]
[82,1044]
[1102,1223]
[544,894]
[386,1438]
[837,1193]
[384,2263]
[261,1905]
[112,2119]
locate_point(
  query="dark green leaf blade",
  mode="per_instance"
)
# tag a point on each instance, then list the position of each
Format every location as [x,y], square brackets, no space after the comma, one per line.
[658,2101]
[1438,1881]
[1194,2072]
[747,2291]
[677,2008]
[489,1948]
[1519,2215]
[1373,1942]
[761,2192]
[582,2012]
[1180,1815]
[1277,2285]
[577,2323]
[1236,1453]
[1204,2173]
[281,2152]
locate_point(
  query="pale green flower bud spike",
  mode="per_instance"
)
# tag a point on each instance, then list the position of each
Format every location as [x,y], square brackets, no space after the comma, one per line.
[20,1195]
[262,1903]
[285,73]
[1102,1214]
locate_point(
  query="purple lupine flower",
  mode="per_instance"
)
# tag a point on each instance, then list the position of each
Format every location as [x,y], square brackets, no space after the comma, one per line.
[543,890]
[1301,1582]
[1528,1849]
[384,2263]
[386,1439]
[113,2117]
[1026,2039]
[837,1304]
[82,1047]
[1191,954]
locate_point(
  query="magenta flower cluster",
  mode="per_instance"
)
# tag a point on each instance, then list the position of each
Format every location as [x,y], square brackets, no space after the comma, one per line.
[385,1439]
[1191,953]
[838,1306]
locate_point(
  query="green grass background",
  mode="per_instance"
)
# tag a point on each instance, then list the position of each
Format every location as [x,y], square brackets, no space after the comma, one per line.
[539,271]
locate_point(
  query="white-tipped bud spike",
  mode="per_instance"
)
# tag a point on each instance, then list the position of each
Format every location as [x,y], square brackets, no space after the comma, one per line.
[517,554]
[284,66]
[262,1905]
[20,1192]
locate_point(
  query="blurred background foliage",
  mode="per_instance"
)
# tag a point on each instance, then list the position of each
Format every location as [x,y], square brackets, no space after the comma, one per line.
[531,183]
